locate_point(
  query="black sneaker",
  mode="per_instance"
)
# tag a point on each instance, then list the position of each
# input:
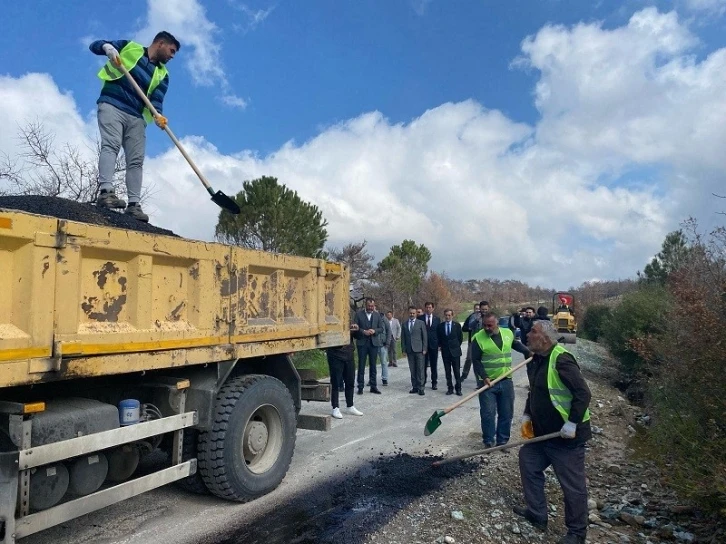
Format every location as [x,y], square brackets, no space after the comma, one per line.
[135,211]
[108,199]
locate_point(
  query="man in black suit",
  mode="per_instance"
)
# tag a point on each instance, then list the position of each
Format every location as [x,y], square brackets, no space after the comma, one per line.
[413,344]
[432,351]
[450,338]
[369,336]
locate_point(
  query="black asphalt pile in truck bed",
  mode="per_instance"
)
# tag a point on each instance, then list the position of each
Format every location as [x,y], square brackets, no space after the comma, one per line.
[62,208]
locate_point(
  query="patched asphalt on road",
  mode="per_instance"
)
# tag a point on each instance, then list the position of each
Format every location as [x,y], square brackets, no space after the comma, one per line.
[350,509]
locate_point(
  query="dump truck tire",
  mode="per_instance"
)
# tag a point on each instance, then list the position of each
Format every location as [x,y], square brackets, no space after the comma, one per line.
[247,452]
[195,482]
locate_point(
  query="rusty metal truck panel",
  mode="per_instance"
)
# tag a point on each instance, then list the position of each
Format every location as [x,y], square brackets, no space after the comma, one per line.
[81,300]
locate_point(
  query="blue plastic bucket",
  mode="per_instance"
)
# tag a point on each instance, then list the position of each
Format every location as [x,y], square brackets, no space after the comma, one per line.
[129,412]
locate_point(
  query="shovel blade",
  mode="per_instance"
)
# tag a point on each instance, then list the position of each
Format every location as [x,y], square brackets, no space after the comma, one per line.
[434,422]
[225,202]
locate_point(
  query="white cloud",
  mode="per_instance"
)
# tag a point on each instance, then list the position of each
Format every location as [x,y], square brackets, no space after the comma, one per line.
[420,6]
[234,101]
[252,18]
[36,98]
[711,7]
[187,21]
[489,196]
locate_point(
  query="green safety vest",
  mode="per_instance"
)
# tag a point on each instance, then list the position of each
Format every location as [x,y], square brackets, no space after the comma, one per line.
[130,55]
[559,394]
[496,361]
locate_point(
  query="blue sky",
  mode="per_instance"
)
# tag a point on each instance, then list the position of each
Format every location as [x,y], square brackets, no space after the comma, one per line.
[337,78]
[311,64]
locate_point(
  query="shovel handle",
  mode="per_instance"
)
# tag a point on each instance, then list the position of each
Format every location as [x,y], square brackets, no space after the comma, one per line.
[496,448]
[174,139]
[475,393]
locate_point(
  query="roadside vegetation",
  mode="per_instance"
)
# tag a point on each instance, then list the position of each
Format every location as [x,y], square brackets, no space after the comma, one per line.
[669,337]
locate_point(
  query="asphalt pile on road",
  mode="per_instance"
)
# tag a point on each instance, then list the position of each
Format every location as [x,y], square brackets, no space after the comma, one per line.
[62,208]
[354,508]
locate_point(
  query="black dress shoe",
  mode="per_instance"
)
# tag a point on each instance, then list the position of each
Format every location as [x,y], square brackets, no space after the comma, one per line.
[414,390]
[385,382]
[526,514]
[458,392]
[449,391]
[360,390]
[375,390]
[421,392]
[433,387]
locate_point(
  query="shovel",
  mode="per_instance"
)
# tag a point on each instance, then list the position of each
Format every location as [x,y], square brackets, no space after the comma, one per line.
[496,448]
[219,198]
[434,421]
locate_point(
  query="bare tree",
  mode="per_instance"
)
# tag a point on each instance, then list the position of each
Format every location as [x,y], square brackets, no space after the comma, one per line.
[358,259]
[47,169]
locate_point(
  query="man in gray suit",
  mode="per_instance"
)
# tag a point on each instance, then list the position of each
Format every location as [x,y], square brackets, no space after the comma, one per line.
[369,339]
[395,327]
[414,342]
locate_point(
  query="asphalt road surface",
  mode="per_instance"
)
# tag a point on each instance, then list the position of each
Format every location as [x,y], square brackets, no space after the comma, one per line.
[392,425]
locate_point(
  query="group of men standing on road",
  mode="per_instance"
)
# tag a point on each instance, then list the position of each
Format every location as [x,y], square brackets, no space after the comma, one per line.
[422,338]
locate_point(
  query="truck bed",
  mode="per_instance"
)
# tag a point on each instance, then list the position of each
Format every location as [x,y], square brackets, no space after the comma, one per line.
[83,300]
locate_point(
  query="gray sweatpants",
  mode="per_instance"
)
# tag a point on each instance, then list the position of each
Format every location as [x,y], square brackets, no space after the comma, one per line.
[121,129]
[569,465]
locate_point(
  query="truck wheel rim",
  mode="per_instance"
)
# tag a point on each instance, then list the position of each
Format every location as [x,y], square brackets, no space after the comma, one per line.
[262,439]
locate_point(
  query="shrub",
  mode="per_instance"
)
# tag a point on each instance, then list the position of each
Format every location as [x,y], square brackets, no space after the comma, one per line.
[594,322]
[639,316]
[686,395]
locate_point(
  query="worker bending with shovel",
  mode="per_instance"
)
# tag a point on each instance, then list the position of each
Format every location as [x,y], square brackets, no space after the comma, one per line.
[123,115]
[558,400]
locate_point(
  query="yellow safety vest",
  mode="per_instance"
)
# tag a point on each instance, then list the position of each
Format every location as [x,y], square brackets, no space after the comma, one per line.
[560,396]
[496,361]
[130,56]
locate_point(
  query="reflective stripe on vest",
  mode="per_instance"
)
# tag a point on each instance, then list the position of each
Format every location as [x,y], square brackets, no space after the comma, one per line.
[559,394]
[496,361]
[130,56]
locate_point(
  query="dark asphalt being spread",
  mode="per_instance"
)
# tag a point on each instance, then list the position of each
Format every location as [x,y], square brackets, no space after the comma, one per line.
[62,208]
[349,510]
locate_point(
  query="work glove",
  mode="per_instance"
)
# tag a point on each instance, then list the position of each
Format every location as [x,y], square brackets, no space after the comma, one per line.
[527,428]
[111,53]
[160,121]
[568,430]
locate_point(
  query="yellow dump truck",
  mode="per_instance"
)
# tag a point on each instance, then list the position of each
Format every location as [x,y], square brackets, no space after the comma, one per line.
[116,343]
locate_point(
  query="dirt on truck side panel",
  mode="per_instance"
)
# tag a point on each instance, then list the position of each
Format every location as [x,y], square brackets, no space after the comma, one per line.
[81,300]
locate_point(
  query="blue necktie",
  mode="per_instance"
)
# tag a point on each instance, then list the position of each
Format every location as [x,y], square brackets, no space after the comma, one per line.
[448,328]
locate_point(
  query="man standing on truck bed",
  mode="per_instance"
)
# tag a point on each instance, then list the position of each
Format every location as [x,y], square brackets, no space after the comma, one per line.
[122,116]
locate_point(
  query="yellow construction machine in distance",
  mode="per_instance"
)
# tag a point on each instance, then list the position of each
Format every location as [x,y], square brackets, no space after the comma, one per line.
[563,316]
